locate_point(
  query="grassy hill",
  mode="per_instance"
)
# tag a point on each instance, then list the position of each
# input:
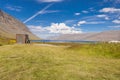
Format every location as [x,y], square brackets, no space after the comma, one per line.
[60,62]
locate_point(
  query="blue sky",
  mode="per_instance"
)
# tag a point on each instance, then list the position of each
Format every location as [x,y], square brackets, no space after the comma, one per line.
[47,18]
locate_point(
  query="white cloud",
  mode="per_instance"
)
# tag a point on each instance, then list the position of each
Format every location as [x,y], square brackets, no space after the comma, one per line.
[62,28]
[47,1]
[85,22]
[38,13]
[14,8]
[85,11]
[103,16]
[81,22]
[116,21]
[77,14]
[54,28]
[110,10]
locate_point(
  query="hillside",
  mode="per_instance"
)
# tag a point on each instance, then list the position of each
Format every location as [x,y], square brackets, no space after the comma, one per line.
[9,27]
[101,36]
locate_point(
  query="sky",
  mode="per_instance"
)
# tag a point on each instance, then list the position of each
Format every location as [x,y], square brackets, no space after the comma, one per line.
[47,18]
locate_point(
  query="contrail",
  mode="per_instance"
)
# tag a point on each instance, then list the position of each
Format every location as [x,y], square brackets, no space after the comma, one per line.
[40,12]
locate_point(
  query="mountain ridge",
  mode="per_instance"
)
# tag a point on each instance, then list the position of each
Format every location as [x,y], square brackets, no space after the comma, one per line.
[98,36]
[10,26]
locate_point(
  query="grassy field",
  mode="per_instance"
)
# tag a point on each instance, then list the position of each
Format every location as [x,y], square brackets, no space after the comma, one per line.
[5,41]
[65,61]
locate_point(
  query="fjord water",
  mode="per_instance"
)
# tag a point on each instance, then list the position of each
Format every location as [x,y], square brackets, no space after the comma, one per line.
[64,41]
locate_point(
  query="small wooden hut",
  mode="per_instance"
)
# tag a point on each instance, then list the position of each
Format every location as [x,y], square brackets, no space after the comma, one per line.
[22,38]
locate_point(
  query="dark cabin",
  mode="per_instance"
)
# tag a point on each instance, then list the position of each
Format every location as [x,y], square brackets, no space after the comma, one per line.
[22,38]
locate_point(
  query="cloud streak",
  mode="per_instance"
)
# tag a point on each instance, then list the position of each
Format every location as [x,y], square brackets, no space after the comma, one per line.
[103,16]
[50,11]
[14,8]
[81,22]
[88,22]
[38,13]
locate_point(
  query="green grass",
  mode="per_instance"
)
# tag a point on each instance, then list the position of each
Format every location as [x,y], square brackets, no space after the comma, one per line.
[76,62]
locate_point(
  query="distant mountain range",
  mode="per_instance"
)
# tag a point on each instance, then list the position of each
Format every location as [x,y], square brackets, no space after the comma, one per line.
[9,27]
[113,35]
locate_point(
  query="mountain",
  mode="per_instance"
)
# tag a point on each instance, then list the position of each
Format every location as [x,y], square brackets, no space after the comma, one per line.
[100,36]
[9,27]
